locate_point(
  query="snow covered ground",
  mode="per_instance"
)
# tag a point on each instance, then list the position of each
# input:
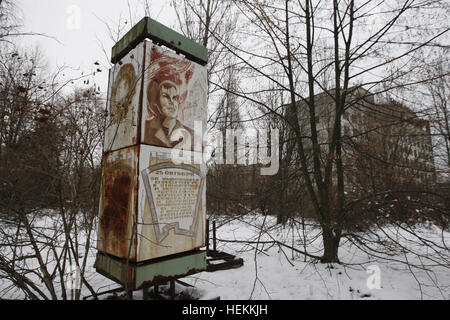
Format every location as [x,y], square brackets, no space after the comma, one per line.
[276,273]
[273,274]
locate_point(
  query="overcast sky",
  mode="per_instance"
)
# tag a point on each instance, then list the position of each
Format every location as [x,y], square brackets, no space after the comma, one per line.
[79,31]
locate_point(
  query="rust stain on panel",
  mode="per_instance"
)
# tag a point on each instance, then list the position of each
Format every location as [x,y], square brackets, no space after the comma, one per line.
[119,202]
[114,220]
[117,196]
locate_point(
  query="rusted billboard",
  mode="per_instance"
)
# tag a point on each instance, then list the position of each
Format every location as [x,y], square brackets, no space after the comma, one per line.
[174,96]
[124,101]
[151,206]
[172,205]
[158,94]
[118,203]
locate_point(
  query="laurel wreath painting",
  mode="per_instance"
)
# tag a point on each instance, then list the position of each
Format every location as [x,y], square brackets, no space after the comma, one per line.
[123,92]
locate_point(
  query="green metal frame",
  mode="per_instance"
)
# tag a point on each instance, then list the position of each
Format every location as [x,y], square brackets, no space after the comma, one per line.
[159,33]
[152,272]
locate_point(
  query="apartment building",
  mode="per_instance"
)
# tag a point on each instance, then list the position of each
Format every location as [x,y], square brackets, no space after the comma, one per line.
[384,144]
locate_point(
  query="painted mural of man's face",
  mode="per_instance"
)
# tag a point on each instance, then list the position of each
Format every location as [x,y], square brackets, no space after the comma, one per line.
[169,99]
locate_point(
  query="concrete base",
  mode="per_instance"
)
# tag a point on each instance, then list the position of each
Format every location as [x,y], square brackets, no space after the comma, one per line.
[153,272]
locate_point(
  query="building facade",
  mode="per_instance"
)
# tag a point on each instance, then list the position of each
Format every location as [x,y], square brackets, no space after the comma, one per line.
[385,145]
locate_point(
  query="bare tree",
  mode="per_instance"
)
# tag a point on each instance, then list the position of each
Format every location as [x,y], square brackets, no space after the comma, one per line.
[49,170]
[439,114]
[9,21]
[365,51]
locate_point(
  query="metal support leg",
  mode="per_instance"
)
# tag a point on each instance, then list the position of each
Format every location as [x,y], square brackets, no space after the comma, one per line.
[130,295]
[145,293]
[207,237]
[214,237]
[172,290]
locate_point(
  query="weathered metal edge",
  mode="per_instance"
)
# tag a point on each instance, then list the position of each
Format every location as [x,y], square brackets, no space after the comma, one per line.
[151,272]
[159,33]
[114,269]
[171,269]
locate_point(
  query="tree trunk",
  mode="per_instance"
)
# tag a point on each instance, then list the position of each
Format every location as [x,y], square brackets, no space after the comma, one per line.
[330,246]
